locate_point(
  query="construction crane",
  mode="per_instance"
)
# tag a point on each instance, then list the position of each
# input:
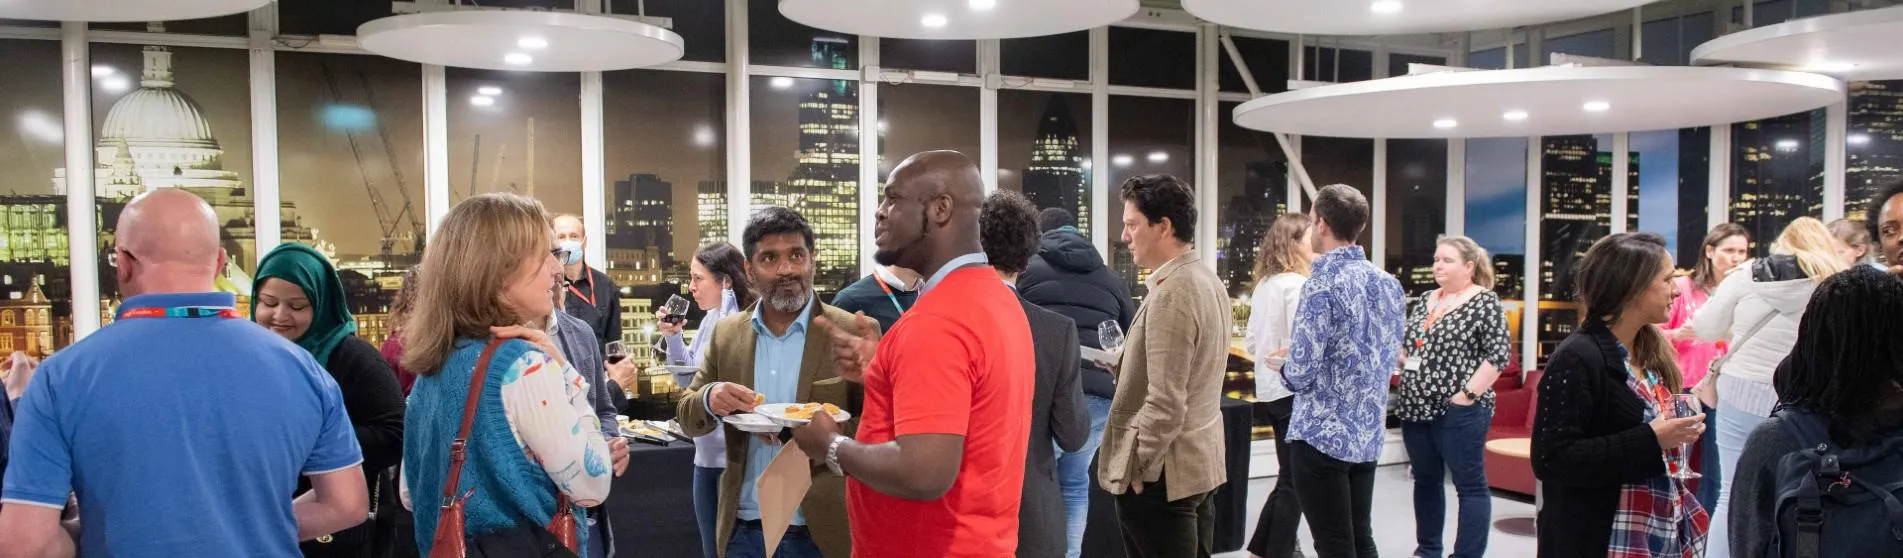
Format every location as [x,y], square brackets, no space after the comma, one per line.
[408,212]
[386,222]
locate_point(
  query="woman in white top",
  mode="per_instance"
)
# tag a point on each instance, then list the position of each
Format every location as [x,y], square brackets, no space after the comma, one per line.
[1281,266]
[1757,307]
[717,279]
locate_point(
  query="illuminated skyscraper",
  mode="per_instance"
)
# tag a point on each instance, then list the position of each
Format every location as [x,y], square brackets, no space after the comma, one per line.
[825,185]
[1575,212]
[643,216]
[1875,155]
[1245,218]
[712,211]
[1055,177]
[1772,176]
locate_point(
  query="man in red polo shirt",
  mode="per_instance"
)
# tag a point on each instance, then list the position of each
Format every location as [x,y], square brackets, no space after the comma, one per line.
[938,469]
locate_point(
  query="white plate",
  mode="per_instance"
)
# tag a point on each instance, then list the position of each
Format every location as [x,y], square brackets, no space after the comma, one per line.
[1100,356]
[682,369]
[777,412]
[1275,362]
[753,422]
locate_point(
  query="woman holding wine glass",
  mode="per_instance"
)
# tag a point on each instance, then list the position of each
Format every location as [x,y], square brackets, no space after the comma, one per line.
[1607,424]
[717,280]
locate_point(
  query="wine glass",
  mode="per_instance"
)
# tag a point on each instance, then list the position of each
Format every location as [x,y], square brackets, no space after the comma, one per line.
[676,309]
[1684,405]
[615,352]
[1110,335]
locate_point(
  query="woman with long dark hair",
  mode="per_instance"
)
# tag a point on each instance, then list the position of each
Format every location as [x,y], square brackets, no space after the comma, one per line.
[717,279]
[1604,427]
[1281,267]
[1845,369]
[298,295]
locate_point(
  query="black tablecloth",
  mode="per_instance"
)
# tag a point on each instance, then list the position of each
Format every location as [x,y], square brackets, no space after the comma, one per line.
[651,507]
[1103,538]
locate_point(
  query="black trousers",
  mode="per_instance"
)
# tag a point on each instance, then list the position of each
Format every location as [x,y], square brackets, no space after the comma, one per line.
[1282,513]
[1336,496]
[1155,527]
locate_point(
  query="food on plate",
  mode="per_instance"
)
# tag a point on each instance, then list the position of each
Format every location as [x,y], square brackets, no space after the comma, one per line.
[804,411]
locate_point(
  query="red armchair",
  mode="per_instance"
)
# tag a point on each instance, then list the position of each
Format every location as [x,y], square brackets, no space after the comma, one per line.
[1515,402]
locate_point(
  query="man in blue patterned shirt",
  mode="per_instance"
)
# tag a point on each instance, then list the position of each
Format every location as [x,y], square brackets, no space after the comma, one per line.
[1347,343]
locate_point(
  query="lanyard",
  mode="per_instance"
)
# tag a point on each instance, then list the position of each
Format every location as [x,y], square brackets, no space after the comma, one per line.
[590,297]
[888,294]
[181,312]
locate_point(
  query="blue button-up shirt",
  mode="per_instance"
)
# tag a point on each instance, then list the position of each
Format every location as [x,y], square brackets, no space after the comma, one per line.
[1347,342]
[776,375]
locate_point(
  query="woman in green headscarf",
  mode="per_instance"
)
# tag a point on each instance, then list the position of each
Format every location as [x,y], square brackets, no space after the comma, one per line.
[298,295]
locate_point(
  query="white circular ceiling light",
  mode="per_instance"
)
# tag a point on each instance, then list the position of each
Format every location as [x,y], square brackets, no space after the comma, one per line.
[1396,17]
[523,40]
[124,10]
[956,19]
[1539,101]
[1856,46]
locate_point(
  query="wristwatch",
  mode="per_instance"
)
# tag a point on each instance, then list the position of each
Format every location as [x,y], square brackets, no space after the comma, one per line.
[832,454]
[1471,396]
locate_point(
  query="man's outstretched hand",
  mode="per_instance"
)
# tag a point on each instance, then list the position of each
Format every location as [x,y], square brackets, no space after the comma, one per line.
[852,352]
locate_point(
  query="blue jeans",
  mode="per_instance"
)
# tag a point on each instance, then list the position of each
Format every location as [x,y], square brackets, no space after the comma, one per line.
[1455,442]
[707,507]
[1073,475]
[749,542]
[1734,425]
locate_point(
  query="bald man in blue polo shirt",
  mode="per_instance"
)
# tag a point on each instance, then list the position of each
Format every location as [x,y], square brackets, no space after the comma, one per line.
[181,428]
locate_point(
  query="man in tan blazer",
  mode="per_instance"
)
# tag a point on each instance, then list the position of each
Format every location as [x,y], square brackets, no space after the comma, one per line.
[767,350]
[1162,452]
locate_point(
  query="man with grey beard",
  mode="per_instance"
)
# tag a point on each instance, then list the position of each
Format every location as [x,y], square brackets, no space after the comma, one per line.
[764,354]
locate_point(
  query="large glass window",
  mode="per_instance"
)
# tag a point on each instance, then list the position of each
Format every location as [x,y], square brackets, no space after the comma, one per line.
[168,117]
[702,24]
[1336,65]
[1875,150]
[1591,43]
[1773,12]
[324,17]
[1044,149]
[917,118]
[666,189]
[35,277]
[231,25]
[1496,217]
[1152,58]
[938,56]
[1252,186]
[350,137]
[774,40]
[1147,136]
[1065,56]
[1777,173]
[1267,60]
[1575,211]
[1496,58]
[1669,42]
[806,156]
[1416,210]
[1669,162]
[516,132]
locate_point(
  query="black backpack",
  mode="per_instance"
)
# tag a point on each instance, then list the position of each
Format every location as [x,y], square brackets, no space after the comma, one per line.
[1833,501]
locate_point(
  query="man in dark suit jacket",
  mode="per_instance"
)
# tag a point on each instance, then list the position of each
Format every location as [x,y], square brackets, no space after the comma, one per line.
[1008,229]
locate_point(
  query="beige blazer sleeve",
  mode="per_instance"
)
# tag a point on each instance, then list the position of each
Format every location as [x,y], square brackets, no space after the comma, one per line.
[1169,337]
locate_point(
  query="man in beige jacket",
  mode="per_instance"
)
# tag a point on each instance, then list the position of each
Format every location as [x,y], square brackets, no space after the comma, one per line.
[1162,451]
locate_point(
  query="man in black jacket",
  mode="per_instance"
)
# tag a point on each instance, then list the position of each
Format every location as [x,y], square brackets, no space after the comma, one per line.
[1069,277]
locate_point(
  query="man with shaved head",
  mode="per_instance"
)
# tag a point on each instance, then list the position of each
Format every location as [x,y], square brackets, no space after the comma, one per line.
[938,466]
[181,428]
[592,295]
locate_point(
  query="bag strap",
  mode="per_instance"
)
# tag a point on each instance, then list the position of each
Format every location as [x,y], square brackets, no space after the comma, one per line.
[458,450]
[1748,334]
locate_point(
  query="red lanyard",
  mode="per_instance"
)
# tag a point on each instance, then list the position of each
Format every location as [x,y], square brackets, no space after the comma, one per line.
[180,312]
[590,297]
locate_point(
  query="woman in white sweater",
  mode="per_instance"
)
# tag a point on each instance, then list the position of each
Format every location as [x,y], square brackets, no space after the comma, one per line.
[1281,266]
[1757,308]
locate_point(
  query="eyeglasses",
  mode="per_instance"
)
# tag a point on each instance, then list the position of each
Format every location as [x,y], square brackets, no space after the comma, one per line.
[560,254]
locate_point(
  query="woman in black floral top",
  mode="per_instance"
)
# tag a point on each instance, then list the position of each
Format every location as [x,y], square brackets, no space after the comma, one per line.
[1457,342]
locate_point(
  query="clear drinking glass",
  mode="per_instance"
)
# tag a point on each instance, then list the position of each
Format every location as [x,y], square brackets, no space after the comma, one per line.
[615,352]
[1110,335]
[1683,405]
[676,309]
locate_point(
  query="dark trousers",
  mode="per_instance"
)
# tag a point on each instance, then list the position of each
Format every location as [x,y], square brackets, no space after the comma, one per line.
[1156,527]
[1282,513]
[707,507]
[1706,452]
[1336,497]
[1454,443]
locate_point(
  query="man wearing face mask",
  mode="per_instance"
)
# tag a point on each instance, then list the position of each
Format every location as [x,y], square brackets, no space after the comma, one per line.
[765,354]
[592,296]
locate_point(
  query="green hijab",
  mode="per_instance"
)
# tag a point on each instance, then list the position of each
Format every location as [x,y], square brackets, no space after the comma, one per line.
[307,268]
